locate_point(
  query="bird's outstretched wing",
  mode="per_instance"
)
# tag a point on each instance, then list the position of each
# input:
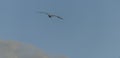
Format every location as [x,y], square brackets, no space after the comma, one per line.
[58,17]
[43,12]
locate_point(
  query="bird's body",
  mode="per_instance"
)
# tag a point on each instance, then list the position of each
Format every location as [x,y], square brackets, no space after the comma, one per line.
[50,15]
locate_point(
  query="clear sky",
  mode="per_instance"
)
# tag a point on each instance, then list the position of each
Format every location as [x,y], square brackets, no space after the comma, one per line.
[90,29]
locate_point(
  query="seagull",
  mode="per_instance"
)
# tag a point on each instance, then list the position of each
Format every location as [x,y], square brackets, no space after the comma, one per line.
[51,15]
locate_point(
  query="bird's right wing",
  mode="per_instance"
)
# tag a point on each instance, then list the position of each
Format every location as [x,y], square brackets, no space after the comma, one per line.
[58,17]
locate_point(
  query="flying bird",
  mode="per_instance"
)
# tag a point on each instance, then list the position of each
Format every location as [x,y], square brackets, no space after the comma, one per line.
[51,15]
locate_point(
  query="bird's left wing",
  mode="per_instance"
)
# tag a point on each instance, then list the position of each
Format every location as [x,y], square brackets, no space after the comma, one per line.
[43,12]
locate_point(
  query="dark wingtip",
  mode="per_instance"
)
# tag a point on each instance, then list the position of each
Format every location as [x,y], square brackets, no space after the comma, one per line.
[60,18]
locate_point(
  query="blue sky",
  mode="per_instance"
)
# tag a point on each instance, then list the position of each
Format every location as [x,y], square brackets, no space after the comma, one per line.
[90,28]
